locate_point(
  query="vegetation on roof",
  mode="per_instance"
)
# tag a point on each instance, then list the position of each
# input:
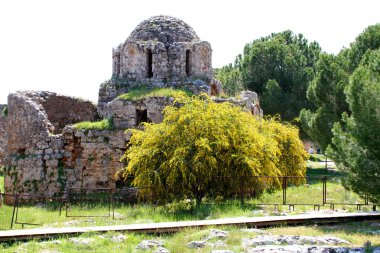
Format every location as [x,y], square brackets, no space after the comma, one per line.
[142,92]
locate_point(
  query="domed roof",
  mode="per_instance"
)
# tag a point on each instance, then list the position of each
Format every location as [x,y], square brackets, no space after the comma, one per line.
[165,29]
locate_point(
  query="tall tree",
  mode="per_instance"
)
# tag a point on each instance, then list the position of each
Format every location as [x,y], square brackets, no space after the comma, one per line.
[326,91]
[356,142]
[285,58]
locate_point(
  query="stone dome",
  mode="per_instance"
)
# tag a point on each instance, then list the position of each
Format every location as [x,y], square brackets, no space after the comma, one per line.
[164,29]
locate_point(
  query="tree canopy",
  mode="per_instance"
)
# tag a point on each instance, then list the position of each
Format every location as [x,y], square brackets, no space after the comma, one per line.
[208,149]
[356,141]
[285,58]
[327,89]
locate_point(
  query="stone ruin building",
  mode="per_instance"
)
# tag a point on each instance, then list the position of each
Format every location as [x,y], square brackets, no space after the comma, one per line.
[44,154]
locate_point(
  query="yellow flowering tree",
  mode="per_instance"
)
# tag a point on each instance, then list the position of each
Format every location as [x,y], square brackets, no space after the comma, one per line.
[208,149]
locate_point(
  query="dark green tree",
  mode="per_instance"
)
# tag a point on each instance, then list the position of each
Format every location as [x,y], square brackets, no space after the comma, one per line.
[285,58]
[369,39]
[272,98]
[326,91]
[356,142]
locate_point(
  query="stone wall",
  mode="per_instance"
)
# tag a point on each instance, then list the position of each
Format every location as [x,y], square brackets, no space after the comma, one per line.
[63,110]
[92,158]
[30,151]
[71,159]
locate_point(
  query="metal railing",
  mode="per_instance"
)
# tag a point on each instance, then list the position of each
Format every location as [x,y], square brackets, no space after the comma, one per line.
[86,198]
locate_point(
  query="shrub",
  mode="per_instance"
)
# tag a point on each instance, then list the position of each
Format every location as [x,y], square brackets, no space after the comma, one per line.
[207,149]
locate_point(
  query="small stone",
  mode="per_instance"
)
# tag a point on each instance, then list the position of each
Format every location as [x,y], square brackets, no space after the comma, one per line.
[81,241]
[196,244]
[254,230]
[214,233]
[149,244]
[217,244]
[161,250]
[119,238]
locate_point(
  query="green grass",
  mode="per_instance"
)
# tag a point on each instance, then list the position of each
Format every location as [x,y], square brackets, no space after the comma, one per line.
[357,233]
[308,193]
[318,158]
[105,124]
[139,93]
[2,179]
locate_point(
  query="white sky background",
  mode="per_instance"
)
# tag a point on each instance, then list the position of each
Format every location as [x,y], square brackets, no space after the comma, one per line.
[66,46]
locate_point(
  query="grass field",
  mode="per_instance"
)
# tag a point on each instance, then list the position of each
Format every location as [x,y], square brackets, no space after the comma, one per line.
[357,233]
[310,193]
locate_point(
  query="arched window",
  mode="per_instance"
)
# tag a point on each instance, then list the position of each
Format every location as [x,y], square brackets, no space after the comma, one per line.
[149,61]
[188,63]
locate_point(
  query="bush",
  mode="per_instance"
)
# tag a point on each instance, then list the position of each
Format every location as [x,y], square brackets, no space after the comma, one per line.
[207,149]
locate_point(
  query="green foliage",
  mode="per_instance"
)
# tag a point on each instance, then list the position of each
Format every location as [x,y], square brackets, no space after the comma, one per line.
[284,58]
[356,142]
[142,92]
[272,98]
[105,124]
[230,78]
[326,91]
[369,39]
[207,149]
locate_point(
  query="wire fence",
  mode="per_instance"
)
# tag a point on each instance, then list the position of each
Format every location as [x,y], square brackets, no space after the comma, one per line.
[316,191]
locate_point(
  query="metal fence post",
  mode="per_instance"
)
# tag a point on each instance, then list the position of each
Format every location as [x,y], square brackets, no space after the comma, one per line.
[284,185]
[14,209]
[324,190]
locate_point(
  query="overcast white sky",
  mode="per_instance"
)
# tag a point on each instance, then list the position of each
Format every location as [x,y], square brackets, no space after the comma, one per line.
[65,46]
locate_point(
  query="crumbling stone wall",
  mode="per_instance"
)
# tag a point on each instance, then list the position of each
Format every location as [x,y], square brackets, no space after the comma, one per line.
[27,124]
[32,153]
[71,159]
[62,110]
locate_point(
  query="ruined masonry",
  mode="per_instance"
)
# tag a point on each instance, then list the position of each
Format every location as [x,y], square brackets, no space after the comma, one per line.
[44,154]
